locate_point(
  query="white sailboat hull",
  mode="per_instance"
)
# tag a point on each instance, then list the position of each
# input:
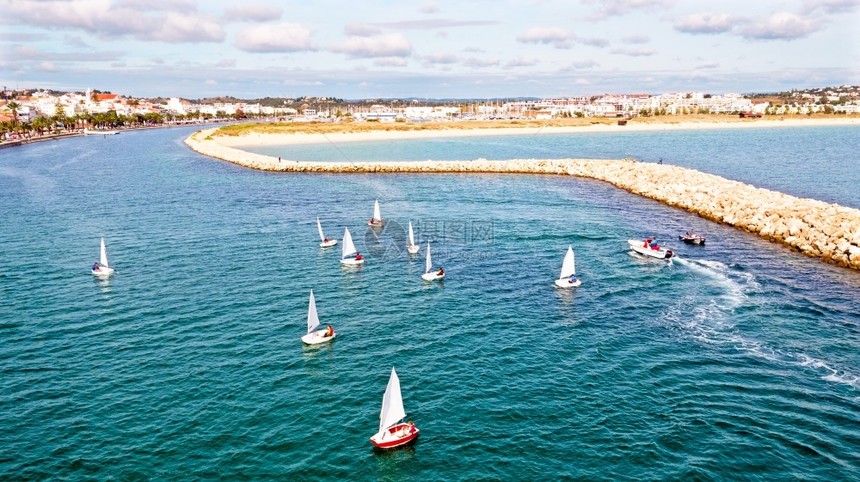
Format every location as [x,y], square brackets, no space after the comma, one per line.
[566,283]
[432,276]
[317,337]
[103,272]
[352,261]
[328,244]
[412,249]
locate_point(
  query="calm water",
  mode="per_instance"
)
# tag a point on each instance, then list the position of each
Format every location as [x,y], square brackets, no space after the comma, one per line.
[741,359]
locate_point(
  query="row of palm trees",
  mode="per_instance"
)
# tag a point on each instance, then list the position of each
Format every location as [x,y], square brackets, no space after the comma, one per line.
[60,123]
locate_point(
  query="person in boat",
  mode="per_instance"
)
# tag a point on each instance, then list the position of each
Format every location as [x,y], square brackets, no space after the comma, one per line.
[441,272]
[328,331]
[325,240]
[358,256]
[96,266]
[411,426]
[572,279]
[647,242]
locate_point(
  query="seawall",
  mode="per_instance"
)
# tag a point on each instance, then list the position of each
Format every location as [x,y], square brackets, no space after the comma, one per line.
[829,232]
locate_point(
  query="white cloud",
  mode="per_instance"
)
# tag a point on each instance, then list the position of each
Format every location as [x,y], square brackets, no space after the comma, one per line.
[386,45]
[636,39]
[429,7]
[707,23]
[781,26]
[613,8]
[279,37]
[48,67]
[708,65]
[634,52]
[175,22]
[211,82]
[440,57]
[255,12]
[358,29]
[544,35]
[391,62]
[480,63]
[522,62]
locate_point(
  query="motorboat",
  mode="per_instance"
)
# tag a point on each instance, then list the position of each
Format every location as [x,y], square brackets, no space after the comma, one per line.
[649,247]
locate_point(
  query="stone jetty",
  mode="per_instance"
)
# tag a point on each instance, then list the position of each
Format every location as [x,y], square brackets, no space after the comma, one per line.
[829,232]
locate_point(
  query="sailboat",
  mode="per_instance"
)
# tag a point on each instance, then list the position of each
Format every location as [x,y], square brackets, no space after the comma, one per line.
[392,431]
[376,221]
[324,241]
[567,278]
[412,248]
[428,264]
[348,254]
[318,336]
[101,268]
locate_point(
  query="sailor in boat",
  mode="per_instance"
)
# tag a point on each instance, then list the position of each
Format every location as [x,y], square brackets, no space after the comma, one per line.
[654,245]
[572,279]
[358,257]
[328,332]
[441,272]
[96,266]
[325,240]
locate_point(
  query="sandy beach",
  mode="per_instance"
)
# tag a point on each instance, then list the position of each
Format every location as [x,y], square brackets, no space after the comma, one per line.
[270,135]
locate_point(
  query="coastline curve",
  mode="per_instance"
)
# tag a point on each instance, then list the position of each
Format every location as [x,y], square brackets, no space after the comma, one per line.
[829,232]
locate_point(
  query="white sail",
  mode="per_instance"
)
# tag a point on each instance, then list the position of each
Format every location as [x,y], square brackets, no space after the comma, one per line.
[103,261]
[319,227]
[428,264]
[411,235]
[568,266]
[313,319]
[376,215]
[392,403]
[348,248]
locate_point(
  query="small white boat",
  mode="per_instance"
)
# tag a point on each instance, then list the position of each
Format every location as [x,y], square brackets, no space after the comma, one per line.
[101,268]
[567,278]
[376,221]
[88,132]
[649,247]
[428,264]
[392,431]
[692,237]
[324,241]
[412,248]
[319,336]
[348,255]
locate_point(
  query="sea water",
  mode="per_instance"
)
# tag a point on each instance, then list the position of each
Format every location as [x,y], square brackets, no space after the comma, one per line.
[739,359]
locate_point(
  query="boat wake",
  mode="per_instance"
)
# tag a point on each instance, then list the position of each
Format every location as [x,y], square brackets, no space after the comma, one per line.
[707,314]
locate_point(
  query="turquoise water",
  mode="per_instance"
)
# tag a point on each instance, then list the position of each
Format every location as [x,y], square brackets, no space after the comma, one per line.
[738,360]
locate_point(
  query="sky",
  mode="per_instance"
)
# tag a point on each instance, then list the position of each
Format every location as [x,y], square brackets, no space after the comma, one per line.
[366,49]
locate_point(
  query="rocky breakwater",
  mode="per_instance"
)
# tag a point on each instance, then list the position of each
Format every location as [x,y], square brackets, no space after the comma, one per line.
[829,232]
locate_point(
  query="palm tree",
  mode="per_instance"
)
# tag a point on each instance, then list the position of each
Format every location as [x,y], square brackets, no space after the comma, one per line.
[13,106]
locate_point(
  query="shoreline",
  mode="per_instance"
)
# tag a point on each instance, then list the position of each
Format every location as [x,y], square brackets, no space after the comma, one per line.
[462,129]
[828,232]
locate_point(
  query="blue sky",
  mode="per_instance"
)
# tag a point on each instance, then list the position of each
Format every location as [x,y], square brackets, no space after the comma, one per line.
[434,48]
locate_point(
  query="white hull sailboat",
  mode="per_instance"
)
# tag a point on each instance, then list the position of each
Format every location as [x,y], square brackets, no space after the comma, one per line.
[412,248]
[644,247]
[324,241]
[428,264]
[392,431]
[349,256]
[314,336]
[102,269]
[567,278]
[376,221]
